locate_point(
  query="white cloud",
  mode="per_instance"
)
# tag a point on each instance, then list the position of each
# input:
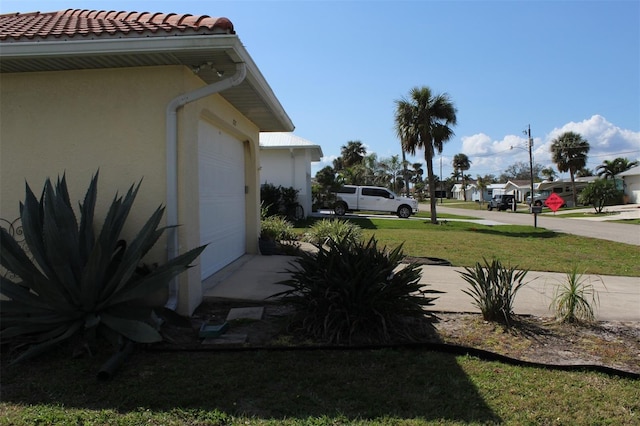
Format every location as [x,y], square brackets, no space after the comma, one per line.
[606,141]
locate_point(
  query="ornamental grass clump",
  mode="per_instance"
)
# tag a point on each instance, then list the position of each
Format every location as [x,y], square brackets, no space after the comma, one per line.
[574,299]
[337,230]
[74,285]
[494,288]
[355,293]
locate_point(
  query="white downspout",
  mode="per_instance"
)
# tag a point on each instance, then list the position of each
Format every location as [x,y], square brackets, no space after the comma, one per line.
[172,162]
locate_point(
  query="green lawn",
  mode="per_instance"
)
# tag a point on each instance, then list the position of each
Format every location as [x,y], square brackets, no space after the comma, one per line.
[372,387]
[465,243]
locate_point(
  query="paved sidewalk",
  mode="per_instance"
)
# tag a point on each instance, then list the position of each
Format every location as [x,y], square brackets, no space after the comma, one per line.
[254,277]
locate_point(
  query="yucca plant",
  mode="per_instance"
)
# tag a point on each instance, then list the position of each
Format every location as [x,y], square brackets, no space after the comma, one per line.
[355,293]
[494,288]
[574,299]
[74,284]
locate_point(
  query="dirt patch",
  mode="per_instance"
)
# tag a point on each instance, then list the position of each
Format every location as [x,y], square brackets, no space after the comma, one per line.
[542,340]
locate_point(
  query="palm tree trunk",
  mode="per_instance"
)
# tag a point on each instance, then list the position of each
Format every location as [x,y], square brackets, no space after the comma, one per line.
[428,157]
[574,196]
[405,173]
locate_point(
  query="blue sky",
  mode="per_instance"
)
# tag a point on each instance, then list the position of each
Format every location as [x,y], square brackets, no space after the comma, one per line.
[338,66]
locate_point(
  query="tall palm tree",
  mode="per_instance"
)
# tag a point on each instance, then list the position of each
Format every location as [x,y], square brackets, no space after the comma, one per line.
[422,122]
[610,168]
[569,152]
[461,163]
[352,153]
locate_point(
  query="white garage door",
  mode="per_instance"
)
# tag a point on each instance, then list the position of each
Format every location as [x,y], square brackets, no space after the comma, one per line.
[222,198]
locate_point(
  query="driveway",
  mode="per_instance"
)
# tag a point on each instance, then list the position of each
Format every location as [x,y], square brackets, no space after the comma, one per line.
[618,232]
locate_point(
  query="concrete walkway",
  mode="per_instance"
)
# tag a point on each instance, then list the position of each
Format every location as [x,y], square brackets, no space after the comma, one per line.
[255,277]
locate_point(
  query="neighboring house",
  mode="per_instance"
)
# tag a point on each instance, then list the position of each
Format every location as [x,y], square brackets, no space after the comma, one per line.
[493,189]
[520,189]
[631,179]
[173,99]
[473,194]
[285,159]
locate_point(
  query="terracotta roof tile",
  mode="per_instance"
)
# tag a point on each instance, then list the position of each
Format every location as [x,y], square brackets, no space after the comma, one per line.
[99,23]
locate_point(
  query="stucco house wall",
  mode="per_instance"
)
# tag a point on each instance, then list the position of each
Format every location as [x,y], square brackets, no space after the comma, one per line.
[285,160]
[113,120]
[631,179]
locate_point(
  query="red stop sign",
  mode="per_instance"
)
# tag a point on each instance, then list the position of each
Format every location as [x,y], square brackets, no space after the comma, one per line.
[554,202]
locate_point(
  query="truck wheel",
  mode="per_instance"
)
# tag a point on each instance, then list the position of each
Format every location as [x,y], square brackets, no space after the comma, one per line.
[404,211]
[537,203]
[489,207]
[340,209]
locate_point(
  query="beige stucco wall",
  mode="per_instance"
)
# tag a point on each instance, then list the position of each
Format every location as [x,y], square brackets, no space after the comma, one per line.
[288,168]
[77,122]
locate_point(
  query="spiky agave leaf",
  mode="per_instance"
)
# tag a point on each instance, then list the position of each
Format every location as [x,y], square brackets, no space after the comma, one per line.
[77,283]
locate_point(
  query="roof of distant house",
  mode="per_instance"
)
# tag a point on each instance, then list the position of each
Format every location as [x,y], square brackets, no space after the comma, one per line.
[77,23]
[634,171]
[287,140]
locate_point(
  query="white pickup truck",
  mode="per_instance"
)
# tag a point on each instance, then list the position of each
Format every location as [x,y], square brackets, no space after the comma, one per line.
[373,198]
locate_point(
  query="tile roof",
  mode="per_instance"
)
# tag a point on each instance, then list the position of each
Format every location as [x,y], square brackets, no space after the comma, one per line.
[79,24]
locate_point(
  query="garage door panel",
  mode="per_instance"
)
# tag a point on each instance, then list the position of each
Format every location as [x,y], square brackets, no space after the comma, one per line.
[222,198]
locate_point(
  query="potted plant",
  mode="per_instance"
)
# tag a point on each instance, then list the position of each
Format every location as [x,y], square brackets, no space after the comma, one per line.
[268,236]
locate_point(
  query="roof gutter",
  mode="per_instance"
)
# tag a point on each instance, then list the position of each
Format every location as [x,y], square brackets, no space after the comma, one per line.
[172,162]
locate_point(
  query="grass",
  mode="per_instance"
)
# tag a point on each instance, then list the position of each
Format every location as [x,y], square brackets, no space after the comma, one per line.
[368,387]
[537,249]
[628,221]
[372,387]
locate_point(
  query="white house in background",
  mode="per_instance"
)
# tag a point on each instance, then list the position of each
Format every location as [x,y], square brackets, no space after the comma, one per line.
[631,179]
[472,191]
[494,189]
[285,160]
[520,189]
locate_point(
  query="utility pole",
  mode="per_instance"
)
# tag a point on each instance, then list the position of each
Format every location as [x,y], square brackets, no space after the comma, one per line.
[530,143]
[440,179]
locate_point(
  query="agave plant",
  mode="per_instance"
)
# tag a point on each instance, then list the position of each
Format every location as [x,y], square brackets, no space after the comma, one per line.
[74,284]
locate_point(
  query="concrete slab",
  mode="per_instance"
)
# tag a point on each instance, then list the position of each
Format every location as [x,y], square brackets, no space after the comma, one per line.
[255,277]
[619,297]
[252,277]
[254,313]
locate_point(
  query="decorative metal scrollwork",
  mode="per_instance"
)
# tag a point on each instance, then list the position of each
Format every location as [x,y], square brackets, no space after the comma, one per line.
[13,228]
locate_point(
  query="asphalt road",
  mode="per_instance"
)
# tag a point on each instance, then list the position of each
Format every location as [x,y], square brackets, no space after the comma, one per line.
[619,232]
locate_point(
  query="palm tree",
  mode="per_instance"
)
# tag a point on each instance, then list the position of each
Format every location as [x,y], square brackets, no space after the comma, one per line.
[585,171]
[610,168]
[422,122]
[569,152]
[482,185]
[393,168]
[461,163]
[405,172]
[353,153]
[548,174]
